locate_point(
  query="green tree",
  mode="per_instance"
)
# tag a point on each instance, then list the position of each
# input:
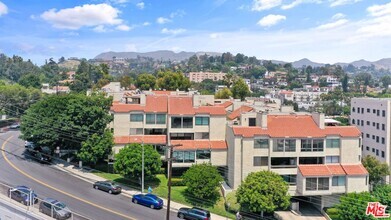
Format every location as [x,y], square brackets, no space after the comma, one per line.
[223,94]
[240,89]
[345,83]
[16,99]
[96,147]
[383,193]
[30,80]
[263,191]
[322,82]
[353,205]
[376,169]
[386,81]
[128,160]
[146,81]
[202,180]
[126,81]
[66,120]
[172,81]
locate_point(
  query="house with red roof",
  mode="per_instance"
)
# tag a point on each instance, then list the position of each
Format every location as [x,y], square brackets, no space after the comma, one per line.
[318,162]
[163,118]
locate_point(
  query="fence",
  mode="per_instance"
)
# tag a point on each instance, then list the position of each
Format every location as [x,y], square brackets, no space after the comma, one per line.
[32,203]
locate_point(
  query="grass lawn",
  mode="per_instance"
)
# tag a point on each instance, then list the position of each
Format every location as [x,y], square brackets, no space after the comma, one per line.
[178,193]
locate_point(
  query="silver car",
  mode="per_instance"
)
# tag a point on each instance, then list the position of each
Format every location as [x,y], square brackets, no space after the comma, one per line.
[55,209]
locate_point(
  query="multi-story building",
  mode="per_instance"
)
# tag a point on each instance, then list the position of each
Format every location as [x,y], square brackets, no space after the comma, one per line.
[317,161]
[201,76]
[372,116]
[191,120]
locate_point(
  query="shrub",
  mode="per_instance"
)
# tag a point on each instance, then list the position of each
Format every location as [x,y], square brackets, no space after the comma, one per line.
[177,182]
[333,213]
[231,204]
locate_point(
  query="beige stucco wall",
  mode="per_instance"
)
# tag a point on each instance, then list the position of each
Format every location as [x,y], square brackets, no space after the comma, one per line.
[356,184]
[234,158]
[219,157]
[217,127]
[350,150]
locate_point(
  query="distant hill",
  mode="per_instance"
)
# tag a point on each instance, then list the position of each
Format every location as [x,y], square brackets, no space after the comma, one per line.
[70,64]
[383,63]
[166,55]
[306,62]
[157,55]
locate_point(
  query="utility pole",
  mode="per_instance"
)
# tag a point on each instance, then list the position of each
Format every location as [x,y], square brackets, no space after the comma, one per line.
[171,152]
[142,171]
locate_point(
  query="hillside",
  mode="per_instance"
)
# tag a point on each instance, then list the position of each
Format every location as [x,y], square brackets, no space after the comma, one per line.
[164,55]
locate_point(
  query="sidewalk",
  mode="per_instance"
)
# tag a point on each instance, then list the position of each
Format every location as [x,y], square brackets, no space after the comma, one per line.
[86,175]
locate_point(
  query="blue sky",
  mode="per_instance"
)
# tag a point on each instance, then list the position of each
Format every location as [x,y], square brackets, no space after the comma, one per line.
[321,30]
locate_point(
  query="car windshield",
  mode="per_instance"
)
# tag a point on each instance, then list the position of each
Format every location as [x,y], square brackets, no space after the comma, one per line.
[152,196]
[59,206]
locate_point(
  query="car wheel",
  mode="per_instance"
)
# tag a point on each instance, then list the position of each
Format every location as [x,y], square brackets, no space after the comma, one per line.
[135,201]
[181,216]
[96,187]
[110,191]
[152,206]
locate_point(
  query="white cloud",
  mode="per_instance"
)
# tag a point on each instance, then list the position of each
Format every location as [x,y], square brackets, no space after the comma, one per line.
[80,16]
[215,35]
[140,5]
[146,23]
[130,48]
[334,3]
[338,16]
[298,2]
[162,20]
[271,20]
[123,27]
[380,10]
[3,9]
[260,5]
[119,1]
[100,29]
[177,13]
[333,24]
[173,31]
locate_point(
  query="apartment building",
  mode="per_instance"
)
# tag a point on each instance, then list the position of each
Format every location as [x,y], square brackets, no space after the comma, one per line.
[316,160]
[160,119]
[201,76]
[372,116]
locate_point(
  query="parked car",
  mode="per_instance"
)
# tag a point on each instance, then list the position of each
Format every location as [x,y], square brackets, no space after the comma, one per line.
[23,194]
[14,126]
[149,200]
[194,213]
[41,154]
[28,144]
[55,209]
[107,186]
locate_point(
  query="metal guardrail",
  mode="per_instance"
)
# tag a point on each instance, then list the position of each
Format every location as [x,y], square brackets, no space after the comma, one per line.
[34,204]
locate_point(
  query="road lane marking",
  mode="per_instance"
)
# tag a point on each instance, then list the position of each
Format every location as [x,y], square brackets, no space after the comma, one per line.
[53,188]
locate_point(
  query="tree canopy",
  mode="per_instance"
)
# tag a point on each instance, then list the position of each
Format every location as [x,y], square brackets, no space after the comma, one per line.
[202,180]
[66,120]
[375,168]
[172,80]
[353,206]
[223,94]
[128,162]
[16,99]
[96,147]
[263,191]
[240,89]
[146,81]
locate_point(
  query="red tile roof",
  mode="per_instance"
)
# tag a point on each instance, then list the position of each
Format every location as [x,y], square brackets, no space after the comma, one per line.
[314,170]
[295,126]
[200,145]
[336,169]
[156,104]
[356,169]
[180,106]
[121,107]
[147,139]
[332,169]
[212,110]
[226,104]
[237,112]
[158,92]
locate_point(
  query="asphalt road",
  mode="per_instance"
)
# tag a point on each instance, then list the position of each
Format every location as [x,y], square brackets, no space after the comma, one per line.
[76,193]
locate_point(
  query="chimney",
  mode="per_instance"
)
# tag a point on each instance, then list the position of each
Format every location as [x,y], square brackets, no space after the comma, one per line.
[263,119]
[319,119]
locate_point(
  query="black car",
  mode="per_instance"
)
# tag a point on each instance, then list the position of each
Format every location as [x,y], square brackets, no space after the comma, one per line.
[55,209]
[194,213]
[107,186]
[23,194]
